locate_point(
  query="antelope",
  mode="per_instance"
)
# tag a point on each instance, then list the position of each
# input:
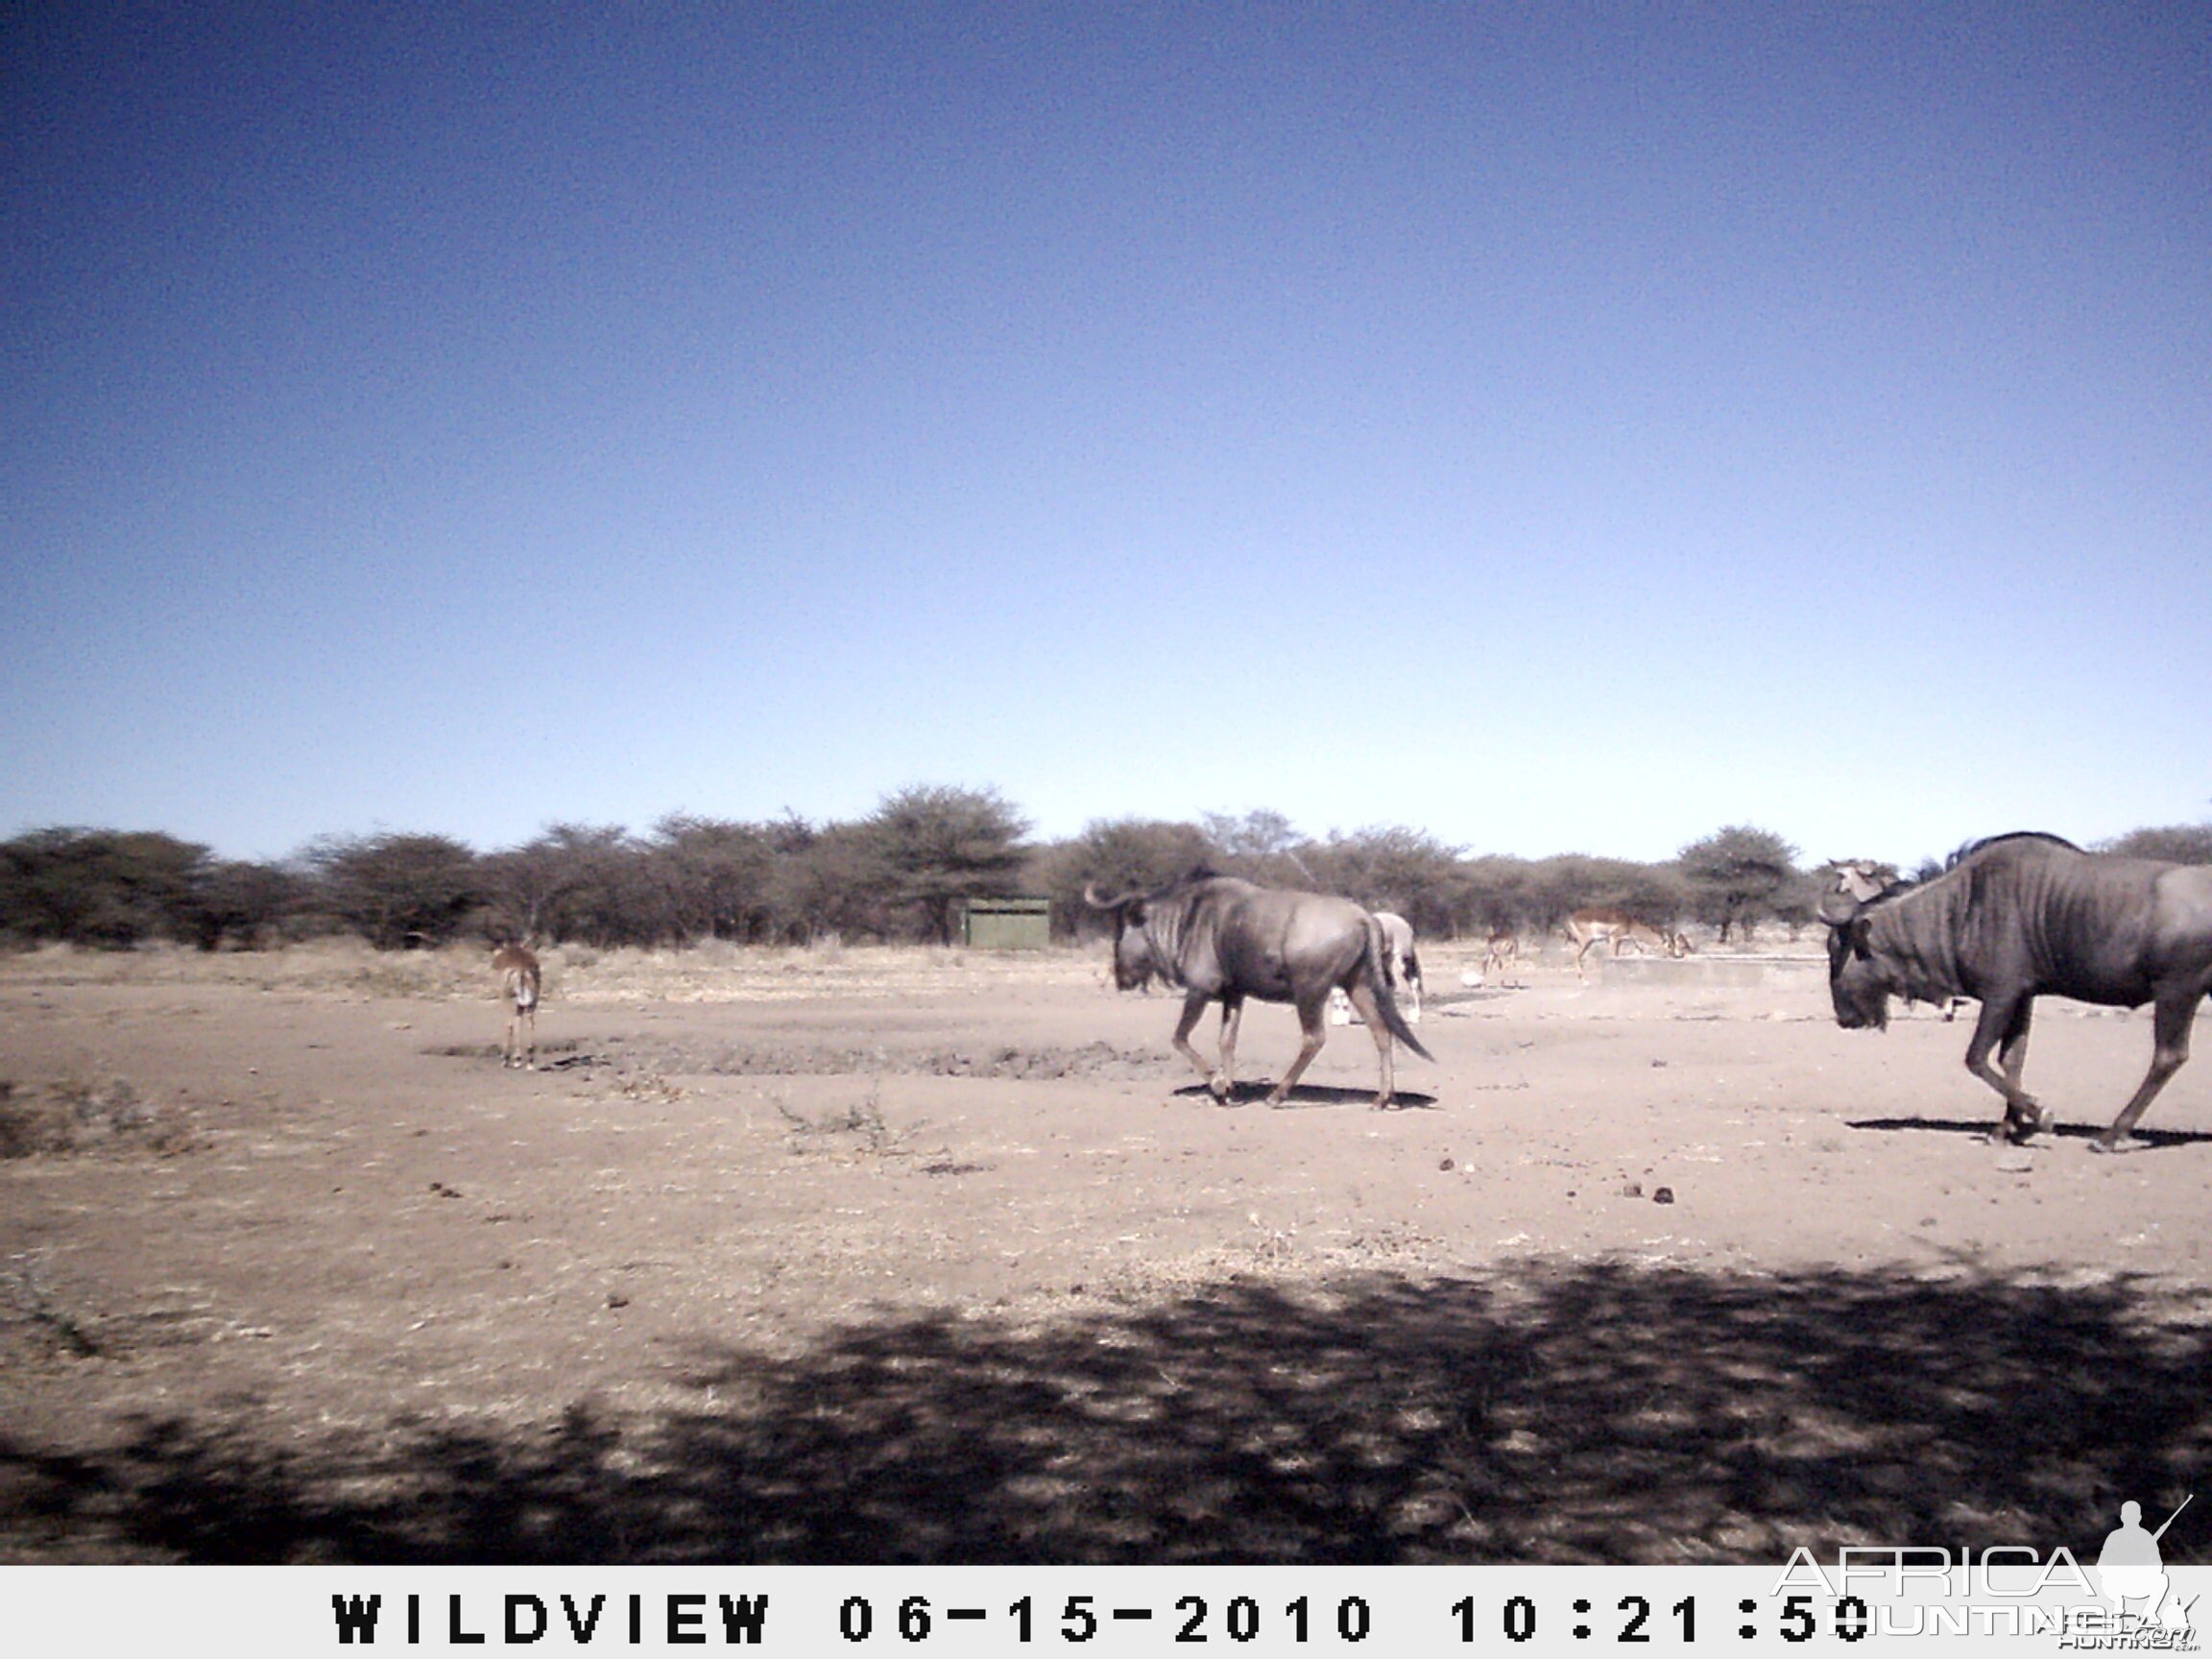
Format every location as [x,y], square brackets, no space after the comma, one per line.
[1222,940]
[2022,916]
[517,966]
[1589,927]
[1502,952]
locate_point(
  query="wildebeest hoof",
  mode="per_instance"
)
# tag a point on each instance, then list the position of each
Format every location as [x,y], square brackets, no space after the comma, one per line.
[2124,1143]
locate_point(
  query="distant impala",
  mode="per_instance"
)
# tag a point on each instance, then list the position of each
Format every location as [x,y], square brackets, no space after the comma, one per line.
[1586,929]
[1501,952]
[517,966]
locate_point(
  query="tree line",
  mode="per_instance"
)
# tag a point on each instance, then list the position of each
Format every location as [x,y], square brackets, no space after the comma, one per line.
[902,874]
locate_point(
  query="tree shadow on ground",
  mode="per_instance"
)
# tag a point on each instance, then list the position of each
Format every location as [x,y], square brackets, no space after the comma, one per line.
[1585,1412]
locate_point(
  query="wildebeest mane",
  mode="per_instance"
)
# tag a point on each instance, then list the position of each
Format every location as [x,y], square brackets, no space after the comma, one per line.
[1970,847]
[1901,886]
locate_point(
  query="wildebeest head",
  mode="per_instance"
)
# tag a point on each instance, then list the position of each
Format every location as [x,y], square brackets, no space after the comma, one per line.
[1857,983]
[1134,964]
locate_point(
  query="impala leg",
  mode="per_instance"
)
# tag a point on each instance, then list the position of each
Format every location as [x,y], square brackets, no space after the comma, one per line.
[1371,1011]
[530,1024]
[2168,1049]
[1317,1033]
[2005,1021]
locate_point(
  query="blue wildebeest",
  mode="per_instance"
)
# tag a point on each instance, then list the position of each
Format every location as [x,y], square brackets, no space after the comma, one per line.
[1223,940]
[2018,917]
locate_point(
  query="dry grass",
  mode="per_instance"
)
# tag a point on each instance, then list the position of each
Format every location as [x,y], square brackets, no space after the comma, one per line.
[712,971]
[84,1114]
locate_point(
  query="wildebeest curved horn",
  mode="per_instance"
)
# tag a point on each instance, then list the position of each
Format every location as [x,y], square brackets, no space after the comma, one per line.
[1098,900]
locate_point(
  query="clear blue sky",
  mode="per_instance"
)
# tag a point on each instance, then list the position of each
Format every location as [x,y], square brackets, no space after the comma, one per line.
[1553,427]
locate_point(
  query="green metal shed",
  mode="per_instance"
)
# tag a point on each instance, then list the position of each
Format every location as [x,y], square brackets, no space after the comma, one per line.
[1006,924]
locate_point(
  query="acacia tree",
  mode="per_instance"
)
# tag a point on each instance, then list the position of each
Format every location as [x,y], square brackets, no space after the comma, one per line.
[1261,846]
[2177,843]
[1738,875]
[252,904]
[716,873]
[111,887]
[937,845]
[1118,855]
[398,889]
[1394,868]
[825,881]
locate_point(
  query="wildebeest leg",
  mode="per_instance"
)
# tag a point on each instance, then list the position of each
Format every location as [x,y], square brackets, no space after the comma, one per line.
[1317,1033]
[1231,1022]
[1371,1011]
[2006,1019]
[2169,1048]
[1193,1006]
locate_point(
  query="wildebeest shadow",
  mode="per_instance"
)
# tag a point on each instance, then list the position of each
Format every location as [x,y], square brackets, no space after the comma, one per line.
[1255,1089]
[1546,1411]
[1979,1129]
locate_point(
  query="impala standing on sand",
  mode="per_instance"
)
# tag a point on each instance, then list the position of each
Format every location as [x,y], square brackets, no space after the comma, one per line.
[1586,929]
[517,966]
[2018,917]
[1223,940]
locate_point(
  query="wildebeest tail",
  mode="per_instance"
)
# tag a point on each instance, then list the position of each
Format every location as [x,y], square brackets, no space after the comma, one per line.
[1378,982]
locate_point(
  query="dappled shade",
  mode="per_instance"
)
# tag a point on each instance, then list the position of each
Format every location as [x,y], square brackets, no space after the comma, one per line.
[1593,1412]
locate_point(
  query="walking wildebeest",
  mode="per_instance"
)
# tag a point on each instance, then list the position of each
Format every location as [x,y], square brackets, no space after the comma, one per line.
[1223,940]
[2018,917]
[517,966]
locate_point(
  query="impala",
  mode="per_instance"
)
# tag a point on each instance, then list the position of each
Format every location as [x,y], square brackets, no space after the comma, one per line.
[517,966]
[1586,929]
[1502,953]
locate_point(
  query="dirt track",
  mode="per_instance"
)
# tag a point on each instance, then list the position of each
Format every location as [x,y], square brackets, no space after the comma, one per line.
[916,1256]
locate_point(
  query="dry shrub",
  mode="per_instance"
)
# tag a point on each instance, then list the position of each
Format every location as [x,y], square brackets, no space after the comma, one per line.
[76,1115]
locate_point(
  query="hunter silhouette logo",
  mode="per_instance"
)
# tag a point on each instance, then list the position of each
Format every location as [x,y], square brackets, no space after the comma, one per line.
[2131,1569]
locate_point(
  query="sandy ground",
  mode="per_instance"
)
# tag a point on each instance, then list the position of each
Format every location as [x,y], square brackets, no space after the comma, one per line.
[880,1255]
